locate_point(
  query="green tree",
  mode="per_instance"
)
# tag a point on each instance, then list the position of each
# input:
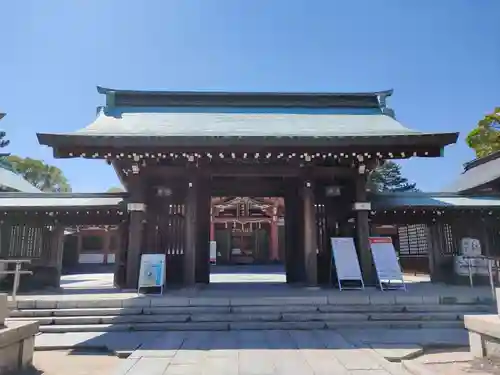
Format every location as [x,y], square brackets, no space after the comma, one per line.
[3,142]
[115,189]
[43,176]
[484,139]
[388,178]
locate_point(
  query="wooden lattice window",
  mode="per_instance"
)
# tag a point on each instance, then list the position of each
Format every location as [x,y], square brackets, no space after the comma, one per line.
[413,240]
[25,242]
[450,247]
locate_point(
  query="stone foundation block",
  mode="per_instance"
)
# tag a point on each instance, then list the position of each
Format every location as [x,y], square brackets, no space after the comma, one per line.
[276,325]
[3,309]
[46,304]
[169,301]
[136,302]
[409,300]
[17,345]
[295,317]
[476,344]
[205,301]
[484,335]
[353,299]
[275,309]
[280,301]
[235,317]
[385,298]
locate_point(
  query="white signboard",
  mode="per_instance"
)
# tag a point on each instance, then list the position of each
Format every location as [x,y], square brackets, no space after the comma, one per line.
[213,252]
[386,263]
[346,262]
[470,247]
[152,271]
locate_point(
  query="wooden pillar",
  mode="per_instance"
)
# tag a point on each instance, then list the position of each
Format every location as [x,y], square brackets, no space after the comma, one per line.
[120,256]
[435,250]
[190,248]
[79,245]
[106,241]
[137,216]
[204,228]
[134,250]
[310,238]
[363,233]
[52,261]
[212,229]
[486,243]
[326,270]
[293,233]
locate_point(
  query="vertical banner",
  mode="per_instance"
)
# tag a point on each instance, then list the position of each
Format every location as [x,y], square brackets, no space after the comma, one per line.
[213,252]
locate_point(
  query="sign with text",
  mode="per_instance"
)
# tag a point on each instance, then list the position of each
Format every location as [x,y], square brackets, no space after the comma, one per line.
[213,252]
[152,271]
[346,262]
[386,263]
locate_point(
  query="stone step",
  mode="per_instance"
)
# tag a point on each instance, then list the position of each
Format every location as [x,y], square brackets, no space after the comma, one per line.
[241,317]
[334,299]
[224,326]
[365,309]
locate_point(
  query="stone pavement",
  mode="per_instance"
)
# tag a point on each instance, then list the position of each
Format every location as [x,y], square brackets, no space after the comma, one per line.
[255,352]
[344,352]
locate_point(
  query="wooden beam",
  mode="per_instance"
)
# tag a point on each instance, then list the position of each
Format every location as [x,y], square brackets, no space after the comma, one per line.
[280,171]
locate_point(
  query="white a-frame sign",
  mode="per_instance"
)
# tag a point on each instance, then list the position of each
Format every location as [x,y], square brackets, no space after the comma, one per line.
[386,263]
[345,258]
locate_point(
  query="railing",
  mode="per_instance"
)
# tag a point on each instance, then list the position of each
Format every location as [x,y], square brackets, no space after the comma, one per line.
[17,272]
[492,266]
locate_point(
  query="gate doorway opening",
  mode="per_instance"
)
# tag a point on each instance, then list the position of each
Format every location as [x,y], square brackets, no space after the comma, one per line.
[247,237]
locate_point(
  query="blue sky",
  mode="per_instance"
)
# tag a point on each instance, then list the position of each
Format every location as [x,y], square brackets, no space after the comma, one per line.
[441,57]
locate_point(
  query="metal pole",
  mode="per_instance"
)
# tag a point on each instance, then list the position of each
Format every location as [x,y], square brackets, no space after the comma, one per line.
[469,264]
[490,273]
[16,281]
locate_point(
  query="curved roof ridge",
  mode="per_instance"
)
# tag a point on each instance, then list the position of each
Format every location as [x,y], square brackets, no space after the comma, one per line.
[106,90]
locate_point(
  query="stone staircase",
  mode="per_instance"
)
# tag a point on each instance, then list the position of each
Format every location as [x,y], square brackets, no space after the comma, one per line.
[210,313]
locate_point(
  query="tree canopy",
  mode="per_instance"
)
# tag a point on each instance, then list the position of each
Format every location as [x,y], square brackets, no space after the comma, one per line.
[43,176]
[388,178]
[484,139]
[115,189]
[3,142]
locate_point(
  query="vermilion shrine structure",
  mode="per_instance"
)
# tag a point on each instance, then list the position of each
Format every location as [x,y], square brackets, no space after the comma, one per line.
[176,151]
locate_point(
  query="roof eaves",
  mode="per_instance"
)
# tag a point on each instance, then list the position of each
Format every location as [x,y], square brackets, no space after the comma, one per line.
[479,161]
[104,90]
[432,139]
